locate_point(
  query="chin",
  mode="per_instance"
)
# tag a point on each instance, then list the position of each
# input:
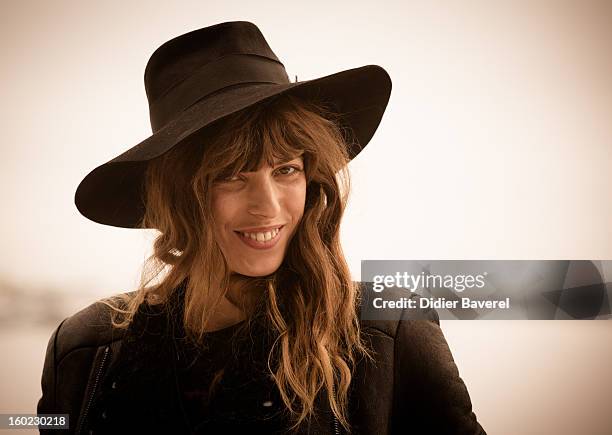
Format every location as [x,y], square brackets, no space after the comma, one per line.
[259,270]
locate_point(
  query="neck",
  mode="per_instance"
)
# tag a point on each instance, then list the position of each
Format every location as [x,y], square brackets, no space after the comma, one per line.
[243,292]
[237,304]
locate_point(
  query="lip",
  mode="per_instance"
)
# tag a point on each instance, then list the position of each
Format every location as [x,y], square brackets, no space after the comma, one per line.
[260,245]
[258,229]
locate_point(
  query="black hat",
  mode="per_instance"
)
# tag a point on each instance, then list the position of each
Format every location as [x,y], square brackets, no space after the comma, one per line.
[201,77]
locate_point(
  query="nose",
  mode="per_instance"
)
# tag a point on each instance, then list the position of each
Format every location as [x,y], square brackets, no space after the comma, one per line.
[263,197]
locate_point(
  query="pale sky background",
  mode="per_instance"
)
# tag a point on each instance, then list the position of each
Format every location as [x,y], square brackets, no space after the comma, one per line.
[496,144]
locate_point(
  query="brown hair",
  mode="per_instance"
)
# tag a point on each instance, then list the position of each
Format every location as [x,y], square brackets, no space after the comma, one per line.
[310,302]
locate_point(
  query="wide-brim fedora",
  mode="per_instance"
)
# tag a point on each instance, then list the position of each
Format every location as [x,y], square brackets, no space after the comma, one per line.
[196,80]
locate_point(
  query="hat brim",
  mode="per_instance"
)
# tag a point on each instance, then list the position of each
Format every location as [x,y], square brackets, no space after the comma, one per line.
[111,194]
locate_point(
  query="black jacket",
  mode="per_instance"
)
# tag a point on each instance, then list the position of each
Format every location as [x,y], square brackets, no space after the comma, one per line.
[412,388]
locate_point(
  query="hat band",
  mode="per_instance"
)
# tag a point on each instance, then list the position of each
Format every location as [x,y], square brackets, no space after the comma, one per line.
[227,71]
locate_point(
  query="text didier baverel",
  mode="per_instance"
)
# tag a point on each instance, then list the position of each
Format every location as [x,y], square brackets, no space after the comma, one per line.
[440,303]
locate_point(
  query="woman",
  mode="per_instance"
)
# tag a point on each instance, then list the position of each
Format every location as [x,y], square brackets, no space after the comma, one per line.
[246,320]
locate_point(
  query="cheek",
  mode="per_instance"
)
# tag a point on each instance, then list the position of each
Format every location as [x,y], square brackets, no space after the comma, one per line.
[223,208]
[298,199]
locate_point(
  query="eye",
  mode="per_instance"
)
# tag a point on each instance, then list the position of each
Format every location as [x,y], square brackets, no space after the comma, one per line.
[289,170]
[229,179]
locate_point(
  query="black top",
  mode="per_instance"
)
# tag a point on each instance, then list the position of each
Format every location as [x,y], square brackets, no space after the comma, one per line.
[221,386]
[225,383]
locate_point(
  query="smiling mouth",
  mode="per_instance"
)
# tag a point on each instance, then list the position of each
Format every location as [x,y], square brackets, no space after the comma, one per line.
[262,239]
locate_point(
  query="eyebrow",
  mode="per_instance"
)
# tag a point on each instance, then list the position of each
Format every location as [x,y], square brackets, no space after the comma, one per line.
[282,161]
[277,162]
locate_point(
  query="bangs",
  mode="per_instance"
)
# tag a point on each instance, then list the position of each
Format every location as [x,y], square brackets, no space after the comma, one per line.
[264,144]
[271,134]
[275,132]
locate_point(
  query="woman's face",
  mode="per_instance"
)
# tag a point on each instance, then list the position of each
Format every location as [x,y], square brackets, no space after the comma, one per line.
[256,214]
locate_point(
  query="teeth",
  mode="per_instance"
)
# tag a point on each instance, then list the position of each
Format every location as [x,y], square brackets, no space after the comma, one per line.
[262,237]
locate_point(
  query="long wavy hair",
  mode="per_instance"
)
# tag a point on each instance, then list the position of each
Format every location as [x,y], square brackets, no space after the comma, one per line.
[310,302]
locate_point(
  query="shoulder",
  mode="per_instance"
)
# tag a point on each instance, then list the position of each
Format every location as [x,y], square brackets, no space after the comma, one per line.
[90,327]
[426,381]
[408,319]
[75,345]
